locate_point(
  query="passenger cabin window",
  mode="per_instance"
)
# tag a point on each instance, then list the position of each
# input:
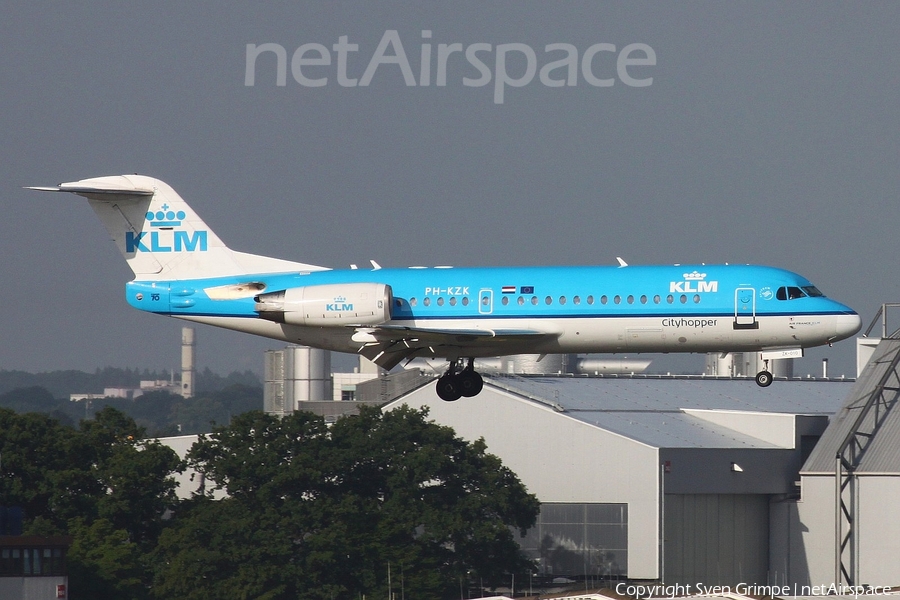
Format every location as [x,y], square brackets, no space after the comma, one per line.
[790,293]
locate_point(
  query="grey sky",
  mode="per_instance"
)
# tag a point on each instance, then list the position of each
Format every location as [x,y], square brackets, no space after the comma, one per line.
[769,135]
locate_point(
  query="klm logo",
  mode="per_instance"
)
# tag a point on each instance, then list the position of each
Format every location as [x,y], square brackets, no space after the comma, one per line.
[166,239]
[154,241]
[340,304]
[694,283]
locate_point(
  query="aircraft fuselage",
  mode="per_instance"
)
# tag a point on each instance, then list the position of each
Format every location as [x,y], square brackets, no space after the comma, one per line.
[693,308]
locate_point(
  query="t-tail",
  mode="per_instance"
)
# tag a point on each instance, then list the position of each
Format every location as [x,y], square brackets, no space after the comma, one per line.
[160,236]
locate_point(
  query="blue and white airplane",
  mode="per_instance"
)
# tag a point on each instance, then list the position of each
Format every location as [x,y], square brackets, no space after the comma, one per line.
[183,270]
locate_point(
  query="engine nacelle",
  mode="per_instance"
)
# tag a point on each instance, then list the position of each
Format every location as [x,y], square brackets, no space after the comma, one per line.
[335,304]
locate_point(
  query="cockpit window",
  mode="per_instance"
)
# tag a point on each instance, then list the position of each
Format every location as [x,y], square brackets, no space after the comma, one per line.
[790,293]
[812,291]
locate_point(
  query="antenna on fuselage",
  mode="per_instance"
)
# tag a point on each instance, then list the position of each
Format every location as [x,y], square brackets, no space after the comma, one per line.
[622,263]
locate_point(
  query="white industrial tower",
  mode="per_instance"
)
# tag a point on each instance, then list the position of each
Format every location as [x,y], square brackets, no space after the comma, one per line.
[187,362]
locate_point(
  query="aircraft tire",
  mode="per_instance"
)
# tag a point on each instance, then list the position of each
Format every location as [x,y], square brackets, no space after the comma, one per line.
[764,379]
[470,383]
[448,388]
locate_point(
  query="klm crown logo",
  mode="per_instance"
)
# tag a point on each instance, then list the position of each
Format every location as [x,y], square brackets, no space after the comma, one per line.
[166,238]
[166,217]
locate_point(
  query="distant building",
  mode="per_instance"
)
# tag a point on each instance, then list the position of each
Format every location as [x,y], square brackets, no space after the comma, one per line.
[31,566]
[159,385]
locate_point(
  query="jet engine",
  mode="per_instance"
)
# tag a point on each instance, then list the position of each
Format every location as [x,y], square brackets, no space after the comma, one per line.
[336,304]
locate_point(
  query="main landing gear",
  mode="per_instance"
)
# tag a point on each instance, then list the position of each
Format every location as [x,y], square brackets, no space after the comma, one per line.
[458,382]
[764,377]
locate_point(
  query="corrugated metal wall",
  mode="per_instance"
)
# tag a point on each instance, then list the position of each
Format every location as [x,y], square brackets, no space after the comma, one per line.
[716,539]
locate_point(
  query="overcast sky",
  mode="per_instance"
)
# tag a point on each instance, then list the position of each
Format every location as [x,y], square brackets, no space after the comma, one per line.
[768,133]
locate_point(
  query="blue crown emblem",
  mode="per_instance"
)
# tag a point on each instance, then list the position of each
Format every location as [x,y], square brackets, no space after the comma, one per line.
[340,299]
[165,217]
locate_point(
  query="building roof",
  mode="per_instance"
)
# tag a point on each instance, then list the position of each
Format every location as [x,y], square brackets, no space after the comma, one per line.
[879,381]
[653,410]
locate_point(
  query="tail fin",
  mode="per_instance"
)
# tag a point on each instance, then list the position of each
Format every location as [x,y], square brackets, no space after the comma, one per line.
[160,236]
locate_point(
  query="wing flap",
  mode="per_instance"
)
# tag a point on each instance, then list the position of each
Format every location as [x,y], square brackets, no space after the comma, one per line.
[389,345]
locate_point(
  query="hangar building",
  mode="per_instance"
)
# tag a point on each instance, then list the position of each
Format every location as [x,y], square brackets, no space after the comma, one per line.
[842,529]
[621,464]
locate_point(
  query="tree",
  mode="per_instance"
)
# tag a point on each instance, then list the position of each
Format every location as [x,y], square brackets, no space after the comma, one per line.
[318,512]
[104,563]
[45,469]
[104,484]
[134,472]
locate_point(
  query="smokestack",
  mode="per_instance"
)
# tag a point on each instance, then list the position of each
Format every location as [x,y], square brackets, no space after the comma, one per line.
[187,362]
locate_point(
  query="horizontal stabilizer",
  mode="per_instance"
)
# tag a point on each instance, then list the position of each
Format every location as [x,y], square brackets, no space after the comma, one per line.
[117,185]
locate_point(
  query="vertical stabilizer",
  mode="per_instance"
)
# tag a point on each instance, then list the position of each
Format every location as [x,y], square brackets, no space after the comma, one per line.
[160,236]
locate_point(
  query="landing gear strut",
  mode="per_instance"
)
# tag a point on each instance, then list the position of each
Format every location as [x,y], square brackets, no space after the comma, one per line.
[764,377]
[457,382]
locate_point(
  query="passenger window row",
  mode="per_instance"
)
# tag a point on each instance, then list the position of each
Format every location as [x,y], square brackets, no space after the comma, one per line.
[562,300]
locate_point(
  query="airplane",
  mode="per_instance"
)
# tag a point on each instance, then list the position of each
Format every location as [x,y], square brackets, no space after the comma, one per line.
[183,270]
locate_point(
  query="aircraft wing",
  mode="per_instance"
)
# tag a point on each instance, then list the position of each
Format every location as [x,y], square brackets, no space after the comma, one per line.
[389,345]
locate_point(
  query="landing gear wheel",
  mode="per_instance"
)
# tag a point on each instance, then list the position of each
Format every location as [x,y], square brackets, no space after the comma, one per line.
[763,379]
[470,383]
[448,388]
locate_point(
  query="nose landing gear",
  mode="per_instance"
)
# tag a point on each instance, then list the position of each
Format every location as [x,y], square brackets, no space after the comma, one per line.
[456,382]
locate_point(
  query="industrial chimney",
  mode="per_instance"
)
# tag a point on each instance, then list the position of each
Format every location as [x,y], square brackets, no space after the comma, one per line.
[187,362]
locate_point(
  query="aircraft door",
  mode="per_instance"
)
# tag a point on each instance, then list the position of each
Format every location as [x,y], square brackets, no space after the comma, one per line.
[485,301]
[745,308]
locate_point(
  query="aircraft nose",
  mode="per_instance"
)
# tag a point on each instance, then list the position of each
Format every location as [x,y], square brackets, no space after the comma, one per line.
[846,325]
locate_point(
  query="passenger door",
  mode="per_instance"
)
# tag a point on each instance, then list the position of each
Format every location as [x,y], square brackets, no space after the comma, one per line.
[745,308]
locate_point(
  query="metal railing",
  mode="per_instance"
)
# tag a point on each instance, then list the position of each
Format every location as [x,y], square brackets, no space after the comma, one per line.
[882,314]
